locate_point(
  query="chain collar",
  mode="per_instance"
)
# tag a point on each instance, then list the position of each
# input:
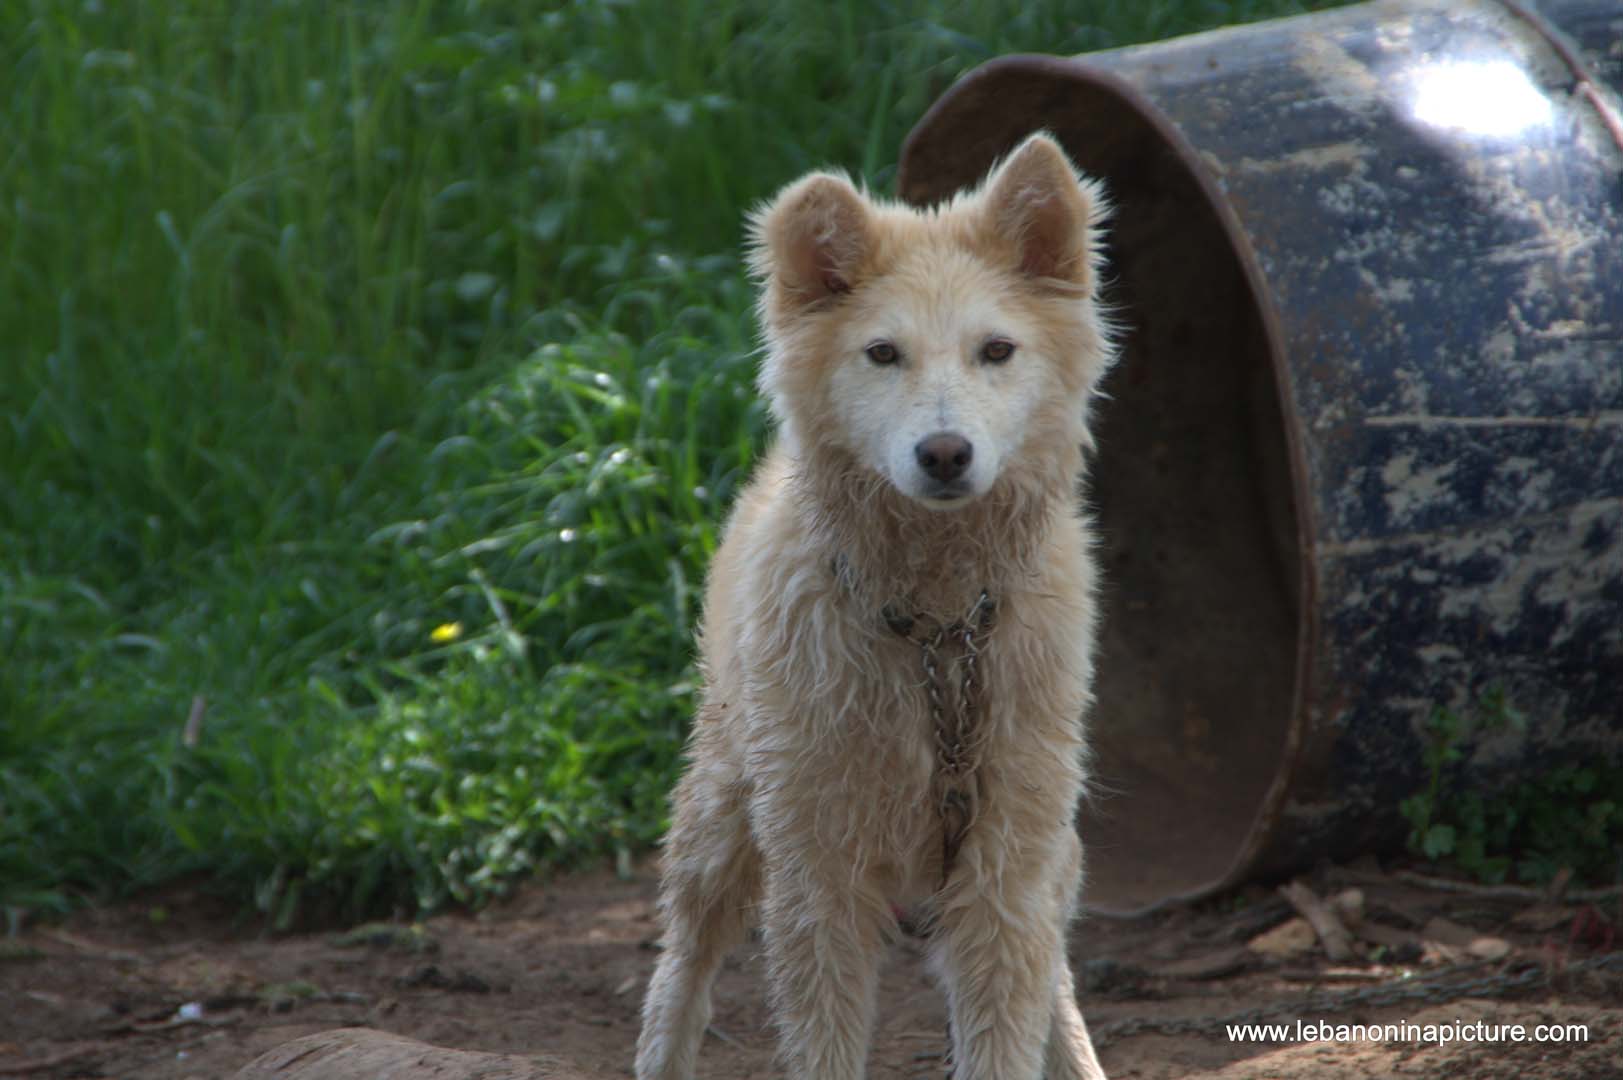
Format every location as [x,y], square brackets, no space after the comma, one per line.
[956,718]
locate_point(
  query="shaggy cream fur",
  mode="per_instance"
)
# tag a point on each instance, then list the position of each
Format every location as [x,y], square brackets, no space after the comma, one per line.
[807,798]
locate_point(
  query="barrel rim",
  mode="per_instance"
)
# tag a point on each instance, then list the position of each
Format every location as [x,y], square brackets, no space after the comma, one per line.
[937,123]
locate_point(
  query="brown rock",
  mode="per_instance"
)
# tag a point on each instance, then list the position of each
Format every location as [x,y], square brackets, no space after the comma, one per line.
[1349,905]
[364,1054]
[1290,938]
[1446,932]
[1487,947]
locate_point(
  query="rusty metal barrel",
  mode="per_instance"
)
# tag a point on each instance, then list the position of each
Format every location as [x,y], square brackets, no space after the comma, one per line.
[1363,454]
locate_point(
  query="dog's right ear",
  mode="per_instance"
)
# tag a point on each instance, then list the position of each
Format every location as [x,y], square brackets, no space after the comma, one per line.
[810,242]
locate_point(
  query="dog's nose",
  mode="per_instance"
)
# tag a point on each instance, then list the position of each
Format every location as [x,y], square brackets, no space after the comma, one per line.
[944,455]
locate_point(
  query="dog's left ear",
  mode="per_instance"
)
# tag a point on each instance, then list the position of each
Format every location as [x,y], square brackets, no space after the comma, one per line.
[1043,213]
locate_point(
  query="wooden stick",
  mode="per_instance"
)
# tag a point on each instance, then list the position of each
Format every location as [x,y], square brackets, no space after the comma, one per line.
[1340,975]
[1332,934]
[23,1068]
[1506,892]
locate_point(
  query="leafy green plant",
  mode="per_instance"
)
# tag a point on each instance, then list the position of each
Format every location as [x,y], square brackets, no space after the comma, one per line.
[328,325]
[1569,816]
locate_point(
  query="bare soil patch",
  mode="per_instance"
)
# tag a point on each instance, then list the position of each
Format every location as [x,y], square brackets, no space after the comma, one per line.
[172,987]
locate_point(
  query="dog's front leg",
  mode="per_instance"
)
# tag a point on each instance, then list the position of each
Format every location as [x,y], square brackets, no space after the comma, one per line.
[1070,1050]
[823,942]
[1000,950]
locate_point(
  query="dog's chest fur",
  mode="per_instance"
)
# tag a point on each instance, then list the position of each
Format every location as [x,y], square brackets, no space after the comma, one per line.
[844,723]
[838,722]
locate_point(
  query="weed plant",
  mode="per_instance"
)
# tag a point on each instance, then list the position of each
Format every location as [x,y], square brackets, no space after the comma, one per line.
[379,373]
[1567,817]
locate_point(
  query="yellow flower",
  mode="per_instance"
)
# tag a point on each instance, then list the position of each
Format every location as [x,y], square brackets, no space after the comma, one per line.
[445,632]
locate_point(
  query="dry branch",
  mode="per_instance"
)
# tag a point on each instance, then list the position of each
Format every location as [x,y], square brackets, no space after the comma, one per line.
[1326,924]
[1508,892]
[28,1068]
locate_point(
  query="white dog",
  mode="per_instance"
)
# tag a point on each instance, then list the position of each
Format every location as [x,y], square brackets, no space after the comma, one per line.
[898,631]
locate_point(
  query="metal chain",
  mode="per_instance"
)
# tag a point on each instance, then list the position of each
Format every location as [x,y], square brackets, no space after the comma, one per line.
[957,730]
[1435,990]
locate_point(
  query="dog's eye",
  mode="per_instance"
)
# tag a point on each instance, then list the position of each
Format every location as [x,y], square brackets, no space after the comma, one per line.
[882,352]
[997,351]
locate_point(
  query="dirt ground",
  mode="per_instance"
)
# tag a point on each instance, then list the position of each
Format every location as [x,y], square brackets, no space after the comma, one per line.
[171,987]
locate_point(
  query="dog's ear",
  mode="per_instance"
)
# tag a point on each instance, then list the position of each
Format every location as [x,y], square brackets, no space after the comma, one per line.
[812,240]
[1042,213]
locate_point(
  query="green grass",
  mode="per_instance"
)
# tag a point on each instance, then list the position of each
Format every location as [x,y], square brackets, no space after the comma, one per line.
[323,325]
